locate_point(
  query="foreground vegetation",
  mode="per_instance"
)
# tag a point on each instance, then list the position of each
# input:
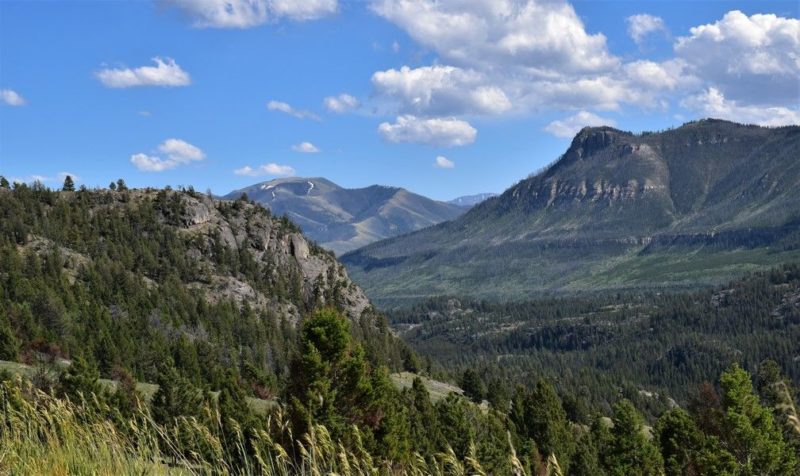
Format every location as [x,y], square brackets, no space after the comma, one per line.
[341,416]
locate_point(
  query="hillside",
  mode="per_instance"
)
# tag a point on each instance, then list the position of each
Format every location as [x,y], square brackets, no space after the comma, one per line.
[341,219]
[139,279]
[699,204]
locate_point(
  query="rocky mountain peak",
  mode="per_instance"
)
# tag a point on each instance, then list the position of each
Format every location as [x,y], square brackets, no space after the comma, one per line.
[590,140]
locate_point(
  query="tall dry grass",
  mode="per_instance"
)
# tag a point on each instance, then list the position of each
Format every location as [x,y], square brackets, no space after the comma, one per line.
[43,435]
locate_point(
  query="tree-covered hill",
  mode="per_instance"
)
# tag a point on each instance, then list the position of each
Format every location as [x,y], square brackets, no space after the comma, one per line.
[140,280]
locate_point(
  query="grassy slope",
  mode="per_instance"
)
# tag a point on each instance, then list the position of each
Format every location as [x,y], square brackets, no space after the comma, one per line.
[437,389]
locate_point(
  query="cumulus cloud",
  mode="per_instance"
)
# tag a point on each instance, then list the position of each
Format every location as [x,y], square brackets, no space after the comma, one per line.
[568,127]
[165,73]
[251,13]
[501,56]
[447,131]
[537,36]
[171,154]
[712,103]
[494,57]
[642,25]
[305,148]
[440,90]
[341,103]
[12,98]
[270,169]
[750,59]
[443,162]
[287,109]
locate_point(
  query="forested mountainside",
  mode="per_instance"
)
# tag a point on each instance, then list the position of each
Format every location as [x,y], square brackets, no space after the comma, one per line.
[137,279]
[654,348]
[342,219]
[217,301]
[699,204]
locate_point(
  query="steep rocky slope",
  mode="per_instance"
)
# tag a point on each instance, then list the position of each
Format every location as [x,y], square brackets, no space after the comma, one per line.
[341,219]
[273,244]
[696,204]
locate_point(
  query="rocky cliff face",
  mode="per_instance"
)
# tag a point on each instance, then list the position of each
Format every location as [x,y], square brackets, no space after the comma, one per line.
[289,275]
[275,246]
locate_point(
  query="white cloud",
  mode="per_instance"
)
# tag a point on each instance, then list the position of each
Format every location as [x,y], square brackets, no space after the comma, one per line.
[443,162]
[752,60]
[165,73]
[177,152]
[568,127]
[287,109]
[181,151]
[712,103]
[446,132]
[303,10]
[642,25]
[501,56]
[341,103]
[536,36]
[440,90]
[306,148]
[658,76]
[251,13]
[12,98]
[270,169]
[149,163]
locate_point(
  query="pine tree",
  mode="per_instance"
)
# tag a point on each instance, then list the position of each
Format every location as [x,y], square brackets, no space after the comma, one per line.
[69,184]
[472,385]
[686,450]
[4,182]
[9,344]
[778,393]
[752,435]
[80,380]
[176,397]
[631,451]
[546,423]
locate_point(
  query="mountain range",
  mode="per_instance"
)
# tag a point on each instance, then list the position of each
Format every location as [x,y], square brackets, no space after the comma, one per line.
[693,205]
[342,219]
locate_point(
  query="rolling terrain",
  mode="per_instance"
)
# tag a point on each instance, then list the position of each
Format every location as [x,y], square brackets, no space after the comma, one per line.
[696,205]
[341,219]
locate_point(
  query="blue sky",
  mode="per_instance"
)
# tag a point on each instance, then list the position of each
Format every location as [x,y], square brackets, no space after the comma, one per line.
[444,98]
